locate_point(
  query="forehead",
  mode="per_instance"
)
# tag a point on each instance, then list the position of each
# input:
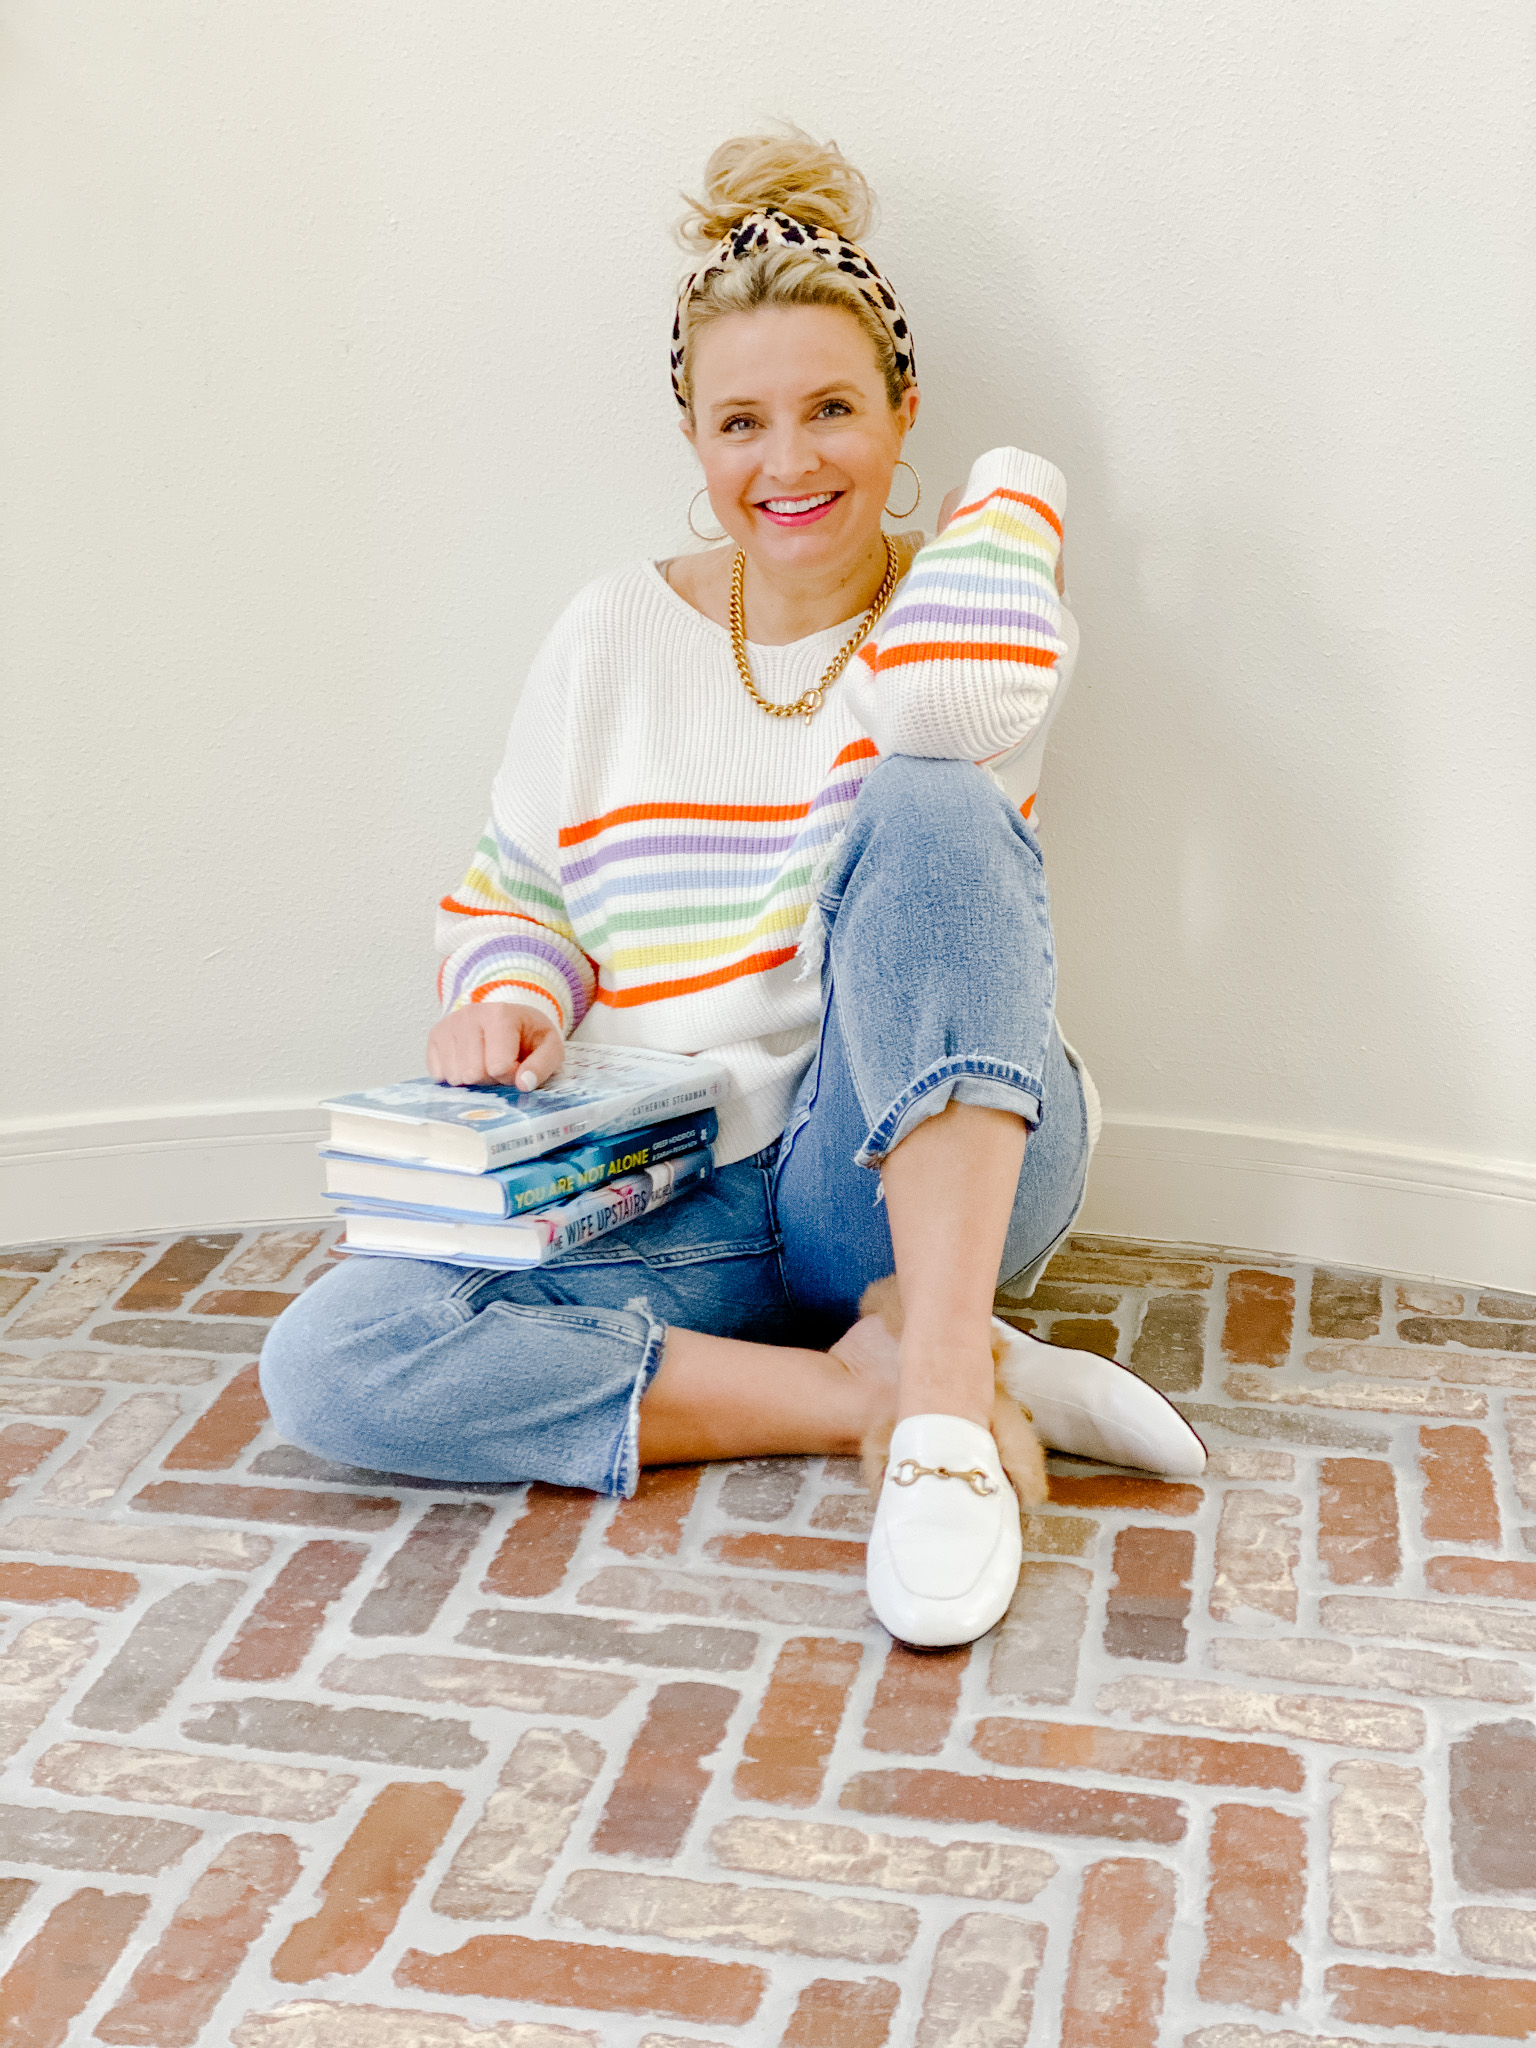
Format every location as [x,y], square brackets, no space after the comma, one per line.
[782,353]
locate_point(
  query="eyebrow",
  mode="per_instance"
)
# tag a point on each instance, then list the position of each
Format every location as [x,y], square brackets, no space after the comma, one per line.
[826,391]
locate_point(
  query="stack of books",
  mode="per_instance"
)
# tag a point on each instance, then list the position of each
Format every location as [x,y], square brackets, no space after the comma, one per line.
[507,1177]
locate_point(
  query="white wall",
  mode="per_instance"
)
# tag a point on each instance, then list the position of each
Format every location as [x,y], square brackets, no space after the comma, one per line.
[335,360]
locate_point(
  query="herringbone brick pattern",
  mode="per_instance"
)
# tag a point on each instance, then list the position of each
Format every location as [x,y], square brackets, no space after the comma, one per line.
[301,1757]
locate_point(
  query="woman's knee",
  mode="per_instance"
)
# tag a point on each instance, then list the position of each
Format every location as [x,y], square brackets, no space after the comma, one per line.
[318,1367]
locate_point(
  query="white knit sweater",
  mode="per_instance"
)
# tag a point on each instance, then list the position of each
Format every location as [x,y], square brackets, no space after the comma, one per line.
[656,841]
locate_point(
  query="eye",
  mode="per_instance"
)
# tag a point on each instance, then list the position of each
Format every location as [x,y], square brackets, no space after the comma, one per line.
[834,407]
[740,419]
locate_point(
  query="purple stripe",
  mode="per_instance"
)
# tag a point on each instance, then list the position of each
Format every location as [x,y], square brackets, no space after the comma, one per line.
[639,849]
[510,942]
[759,847]
[960,615]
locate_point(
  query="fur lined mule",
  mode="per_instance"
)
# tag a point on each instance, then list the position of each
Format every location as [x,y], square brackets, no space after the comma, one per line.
[1019,1450]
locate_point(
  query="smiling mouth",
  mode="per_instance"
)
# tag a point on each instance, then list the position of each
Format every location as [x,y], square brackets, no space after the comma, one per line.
[798,511]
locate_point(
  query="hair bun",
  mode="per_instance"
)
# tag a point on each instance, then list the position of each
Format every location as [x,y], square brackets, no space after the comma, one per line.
[811,180]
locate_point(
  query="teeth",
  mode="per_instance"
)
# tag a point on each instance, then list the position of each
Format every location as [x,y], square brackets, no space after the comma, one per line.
[787,505]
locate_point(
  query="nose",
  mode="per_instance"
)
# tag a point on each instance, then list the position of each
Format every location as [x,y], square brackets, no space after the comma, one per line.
[789,454]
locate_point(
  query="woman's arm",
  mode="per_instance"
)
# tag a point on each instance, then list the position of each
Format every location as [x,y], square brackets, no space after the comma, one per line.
[964,665]
[514,982]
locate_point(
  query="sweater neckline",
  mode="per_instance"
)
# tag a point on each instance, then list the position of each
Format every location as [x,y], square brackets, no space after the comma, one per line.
[778,649]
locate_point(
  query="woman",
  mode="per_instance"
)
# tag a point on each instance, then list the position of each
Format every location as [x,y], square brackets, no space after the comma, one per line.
[741,812]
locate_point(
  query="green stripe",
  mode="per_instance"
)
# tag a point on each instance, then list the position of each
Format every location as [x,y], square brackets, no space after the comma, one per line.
[723,915]
[987,551]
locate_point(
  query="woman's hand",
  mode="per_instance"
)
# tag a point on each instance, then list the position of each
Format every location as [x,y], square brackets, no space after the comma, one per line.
[501,1042]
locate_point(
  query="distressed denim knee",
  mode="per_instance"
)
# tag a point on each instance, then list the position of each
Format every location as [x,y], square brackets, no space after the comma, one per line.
[940,949]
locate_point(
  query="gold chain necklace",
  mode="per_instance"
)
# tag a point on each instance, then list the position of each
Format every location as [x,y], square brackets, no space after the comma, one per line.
[807,706]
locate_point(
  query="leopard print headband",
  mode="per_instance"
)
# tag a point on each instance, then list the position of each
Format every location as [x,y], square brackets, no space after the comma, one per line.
[771,229]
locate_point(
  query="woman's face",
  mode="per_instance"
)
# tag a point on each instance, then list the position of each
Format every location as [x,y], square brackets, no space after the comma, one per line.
[796,434]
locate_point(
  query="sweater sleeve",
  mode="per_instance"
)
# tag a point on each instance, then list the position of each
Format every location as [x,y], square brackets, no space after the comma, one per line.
[504,934]
[964,666]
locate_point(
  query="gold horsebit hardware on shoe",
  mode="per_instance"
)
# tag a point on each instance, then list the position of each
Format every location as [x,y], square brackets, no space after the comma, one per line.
[908,1472]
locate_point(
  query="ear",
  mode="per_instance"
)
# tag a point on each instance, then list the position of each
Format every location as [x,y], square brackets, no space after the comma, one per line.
[687,430]
[911,399]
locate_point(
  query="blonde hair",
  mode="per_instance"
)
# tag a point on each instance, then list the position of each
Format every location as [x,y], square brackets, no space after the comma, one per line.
[811,181]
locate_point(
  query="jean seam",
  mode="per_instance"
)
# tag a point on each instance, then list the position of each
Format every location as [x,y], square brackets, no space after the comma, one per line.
[624,1471]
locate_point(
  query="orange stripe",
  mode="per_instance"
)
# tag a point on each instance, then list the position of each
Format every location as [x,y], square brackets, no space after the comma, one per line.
[1019,498]
[480,994]
[858,750]
[469,910]
[659,991]
[1028,804]
[757,814]
[964,650]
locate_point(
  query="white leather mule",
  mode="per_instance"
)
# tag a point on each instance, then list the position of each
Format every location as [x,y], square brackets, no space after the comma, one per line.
[1091,1407]
[945,1550]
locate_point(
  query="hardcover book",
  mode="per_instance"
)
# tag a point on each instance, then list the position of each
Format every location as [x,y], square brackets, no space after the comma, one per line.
[513,1190]
[527,1240]
[475,1130]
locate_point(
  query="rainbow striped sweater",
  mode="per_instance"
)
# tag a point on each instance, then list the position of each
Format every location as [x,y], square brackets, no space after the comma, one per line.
[655,842]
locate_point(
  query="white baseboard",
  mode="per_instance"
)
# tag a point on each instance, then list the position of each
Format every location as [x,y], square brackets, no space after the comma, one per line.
[201,1168]
[1385,1208]
[1310,1197]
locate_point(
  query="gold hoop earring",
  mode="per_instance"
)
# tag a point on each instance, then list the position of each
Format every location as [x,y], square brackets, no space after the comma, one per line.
[704,493]
[915,502]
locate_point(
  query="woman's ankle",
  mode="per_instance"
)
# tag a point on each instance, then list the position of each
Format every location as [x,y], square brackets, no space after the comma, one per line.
[946,1379]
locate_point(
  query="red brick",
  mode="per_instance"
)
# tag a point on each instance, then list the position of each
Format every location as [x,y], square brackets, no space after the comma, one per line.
[31,1258]
[242,1301]
[276,1635]
[650,1523]
[1260,1307]
[1170,1345]
[658,1791]
[1357,1540]
[762,1548]
[1460,1503]
[1084,1333]
[366,1888]
[786,1750]
[982,1990]
[509,1966]
[831,2013]
[166,1642]
[76,1295]
[1110,1263]
[38,1585]
[1493,1807]
[372,1735]
[1031,1804]
[23,1447]
[1150,1597]
[1253,1908]
[1430,2001]
[173,1992]
[288,1504]
[14,1894]
[61,1968]
[915,1701]
[1188,1759]
[1482,1576]
[180,1267]
[762,1489]
[222,1432]
[541,1543]
[1114,1994]
[270,1257]
[423,1571]
[1345,1304]
[1139,1496]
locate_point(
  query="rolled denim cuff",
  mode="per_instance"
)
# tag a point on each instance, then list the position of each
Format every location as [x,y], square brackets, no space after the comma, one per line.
[989,1084]
[624,1469]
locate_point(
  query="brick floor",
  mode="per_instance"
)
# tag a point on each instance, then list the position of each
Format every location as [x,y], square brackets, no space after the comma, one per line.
[302,1757]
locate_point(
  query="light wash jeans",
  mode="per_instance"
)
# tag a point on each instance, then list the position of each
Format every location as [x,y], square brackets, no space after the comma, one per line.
[938,984]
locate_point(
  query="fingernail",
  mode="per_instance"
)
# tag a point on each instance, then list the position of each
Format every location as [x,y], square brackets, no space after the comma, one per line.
[527,1079]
